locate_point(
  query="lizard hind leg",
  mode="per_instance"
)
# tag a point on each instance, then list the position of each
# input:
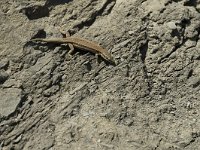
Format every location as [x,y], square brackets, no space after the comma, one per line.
[71,50]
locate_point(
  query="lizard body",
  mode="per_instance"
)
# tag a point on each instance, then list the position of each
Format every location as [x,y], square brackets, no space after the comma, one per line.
[82,44]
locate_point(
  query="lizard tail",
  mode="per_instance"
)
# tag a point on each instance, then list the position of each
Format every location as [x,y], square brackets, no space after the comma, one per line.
[37,39]
[53,40]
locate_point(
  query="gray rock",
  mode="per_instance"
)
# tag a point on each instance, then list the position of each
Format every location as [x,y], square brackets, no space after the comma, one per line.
[171,25]
[9,100]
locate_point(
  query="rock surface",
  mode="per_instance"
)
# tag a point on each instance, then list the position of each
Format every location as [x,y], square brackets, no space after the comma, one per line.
[9,101]
[149,100]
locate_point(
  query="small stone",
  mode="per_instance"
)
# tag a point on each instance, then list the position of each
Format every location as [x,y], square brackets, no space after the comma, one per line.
[130,32]
[172,25]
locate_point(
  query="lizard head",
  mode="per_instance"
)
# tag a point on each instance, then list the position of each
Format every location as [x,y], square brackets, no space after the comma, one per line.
[107,56]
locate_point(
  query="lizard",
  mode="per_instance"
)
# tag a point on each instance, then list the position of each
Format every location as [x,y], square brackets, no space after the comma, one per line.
[81,44]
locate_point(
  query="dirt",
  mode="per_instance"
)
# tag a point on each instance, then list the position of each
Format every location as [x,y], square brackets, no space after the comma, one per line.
[149,100]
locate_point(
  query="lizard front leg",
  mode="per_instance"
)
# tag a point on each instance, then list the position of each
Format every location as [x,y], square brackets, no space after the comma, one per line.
[67,34]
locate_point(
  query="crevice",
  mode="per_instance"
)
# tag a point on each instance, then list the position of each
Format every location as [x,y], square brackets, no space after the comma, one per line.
[196,38]
[190,3]
[190,74]
[40,11]
[35,12]
[92,18]
[50,3]
[185,22]
[176,1]
[143,51]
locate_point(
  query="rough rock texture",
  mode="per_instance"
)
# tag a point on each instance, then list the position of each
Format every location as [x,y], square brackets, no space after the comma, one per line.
[149,100]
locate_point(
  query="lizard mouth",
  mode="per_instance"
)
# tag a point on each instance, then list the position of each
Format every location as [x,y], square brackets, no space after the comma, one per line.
[109,59]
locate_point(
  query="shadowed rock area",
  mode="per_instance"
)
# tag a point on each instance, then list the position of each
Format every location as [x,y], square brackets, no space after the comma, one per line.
[149,100]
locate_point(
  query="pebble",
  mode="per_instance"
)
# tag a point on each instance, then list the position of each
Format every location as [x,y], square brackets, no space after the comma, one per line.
[172,25]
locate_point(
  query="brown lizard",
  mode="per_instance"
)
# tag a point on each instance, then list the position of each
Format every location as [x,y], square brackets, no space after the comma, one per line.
[82,44]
